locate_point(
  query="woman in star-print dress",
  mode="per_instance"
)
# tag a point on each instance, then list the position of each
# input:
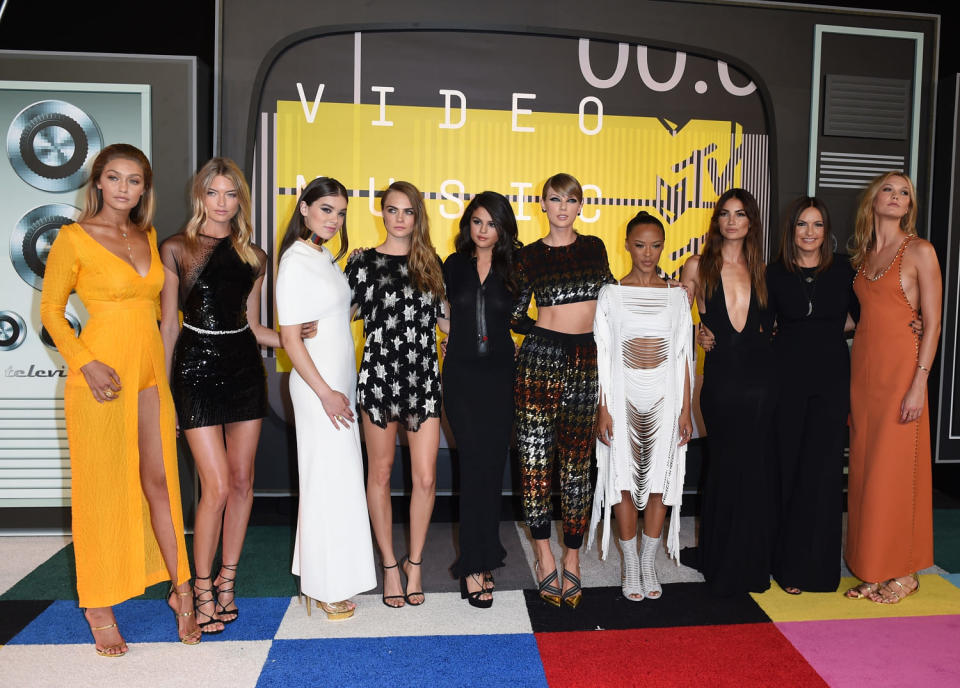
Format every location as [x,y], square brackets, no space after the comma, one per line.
[398,292]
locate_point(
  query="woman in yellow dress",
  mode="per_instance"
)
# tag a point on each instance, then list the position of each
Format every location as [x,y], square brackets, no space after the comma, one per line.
[125,494]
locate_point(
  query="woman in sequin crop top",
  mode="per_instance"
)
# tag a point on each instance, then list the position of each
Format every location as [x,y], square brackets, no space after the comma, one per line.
[556,385]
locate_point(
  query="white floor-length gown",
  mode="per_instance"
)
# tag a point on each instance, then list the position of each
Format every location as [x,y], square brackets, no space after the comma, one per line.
[333,552]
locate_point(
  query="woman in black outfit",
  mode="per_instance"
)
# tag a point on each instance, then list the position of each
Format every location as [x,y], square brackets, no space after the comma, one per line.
[737,397]
[811,296]
[478,376]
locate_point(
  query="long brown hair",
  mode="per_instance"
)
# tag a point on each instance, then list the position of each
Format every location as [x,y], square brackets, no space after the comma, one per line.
[711,259]
[422,264]
[865,228]
[788,242]
[297,227]
[141,215]
[241,228]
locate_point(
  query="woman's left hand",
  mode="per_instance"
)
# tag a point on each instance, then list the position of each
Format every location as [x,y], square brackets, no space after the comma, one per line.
[912,405]
[308,330]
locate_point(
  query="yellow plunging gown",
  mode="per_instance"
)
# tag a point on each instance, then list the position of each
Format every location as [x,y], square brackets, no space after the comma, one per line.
[117,555]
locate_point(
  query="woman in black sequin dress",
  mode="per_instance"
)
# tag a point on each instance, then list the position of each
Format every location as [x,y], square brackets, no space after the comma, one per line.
[213,274]
[398,292]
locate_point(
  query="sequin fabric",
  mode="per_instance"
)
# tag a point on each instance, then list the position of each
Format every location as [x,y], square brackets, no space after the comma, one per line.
[556,399]
[399,377]
[215,378]
[555,275]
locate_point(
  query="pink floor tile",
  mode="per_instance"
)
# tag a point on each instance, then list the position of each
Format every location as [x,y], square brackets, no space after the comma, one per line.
[919,651]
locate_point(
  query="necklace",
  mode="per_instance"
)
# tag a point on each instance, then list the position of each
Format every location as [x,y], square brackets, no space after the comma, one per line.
[126,239]
[805,280]
[315,238]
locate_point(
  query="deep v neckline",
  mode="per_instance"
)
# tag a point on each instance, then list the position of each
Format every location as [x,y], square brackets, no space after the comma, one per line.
[121,259]
[726,308]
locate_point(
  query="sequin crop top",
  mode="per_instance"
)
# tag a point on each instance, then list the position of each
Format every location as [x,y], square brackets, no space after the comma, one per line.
[556,275]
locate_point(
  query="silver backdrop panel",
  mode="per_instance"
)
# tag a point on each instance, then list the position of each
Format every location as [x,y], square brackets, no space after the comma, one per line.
[52,132]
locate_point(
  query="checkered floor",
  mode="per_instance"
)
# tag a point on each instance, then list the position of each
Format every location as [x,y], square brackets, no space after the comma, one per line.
[685,639]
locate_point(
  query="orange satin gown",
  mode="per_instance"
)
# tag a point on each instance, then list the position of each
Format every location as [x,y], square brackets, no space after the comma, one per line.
[889,497]
[117,555]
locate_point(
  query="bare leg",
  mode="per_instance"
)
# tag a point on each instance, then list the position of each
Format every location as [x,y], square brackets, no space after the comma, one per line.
[654,515]
[423,463]
[241,443]
[381,447]
[210,457]
[626,515]
[545,557]
[153,481]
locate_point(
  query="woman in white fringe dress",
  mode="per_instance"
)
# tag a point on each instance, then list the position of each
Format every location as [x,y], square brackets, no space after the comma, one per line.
[333,552]
[643,331]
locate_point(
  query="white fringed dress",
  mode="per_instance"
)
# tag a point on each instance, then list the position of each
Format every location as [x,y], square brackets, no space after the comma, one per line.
[644,348]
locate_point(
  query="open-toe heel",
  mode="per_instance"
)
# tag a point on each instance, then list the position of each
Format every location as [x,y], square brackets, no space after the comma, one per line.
[221,608]
[630,585]
[193,637]
[384,597]
[407,595]
[199,600]
[473,598]
[116,650]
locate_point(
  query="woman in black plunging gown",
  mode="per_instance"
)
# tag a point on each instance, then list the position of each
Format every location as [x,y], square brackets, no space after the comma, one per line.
[736,398]
[213,274]
[478,373]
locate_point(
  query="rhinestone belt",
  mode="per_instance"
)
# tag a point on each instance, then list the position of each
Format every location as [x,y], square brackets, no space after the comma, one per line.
[202,331]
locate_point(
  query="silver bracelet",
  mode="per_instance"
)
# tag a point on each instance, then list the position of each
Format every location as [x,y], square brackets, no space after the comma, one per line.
[202,331]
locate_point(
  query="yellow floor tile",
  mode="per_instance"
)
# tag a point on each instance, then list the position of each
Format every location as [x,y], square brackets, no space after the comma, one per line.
[936,596]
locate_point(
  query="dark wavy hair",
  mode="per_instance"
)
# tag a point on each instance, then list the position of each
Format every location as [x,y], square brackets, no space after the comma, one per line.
[507,244]
[297,228]
[788,242]
[711,259]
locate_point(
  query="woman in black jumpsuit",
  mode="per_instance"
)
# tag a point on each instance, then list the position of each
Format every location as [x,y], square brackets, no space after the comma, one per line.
[478,376]
[811,295]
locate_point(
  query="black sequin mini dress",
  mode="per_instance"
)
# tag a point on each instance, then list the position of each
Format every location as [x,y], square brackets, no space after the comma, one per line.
[218,375]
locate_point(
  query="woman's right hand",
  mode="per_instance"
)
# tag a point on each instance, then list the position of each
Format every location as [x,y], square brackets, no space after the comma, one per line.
[705,337]
[604,425]
[337,408]
[103,381]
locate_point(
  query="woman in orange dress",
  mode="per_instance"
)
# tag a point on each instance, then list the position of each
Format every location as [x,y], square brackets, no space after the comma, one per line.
[125,494]
[890,513]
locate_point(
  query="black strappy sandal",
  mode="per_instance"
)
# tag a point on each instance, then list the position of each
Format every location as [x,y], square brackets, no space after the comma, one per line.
[384,597]
[212,600]
[473,598]
[221,608]
[408,595]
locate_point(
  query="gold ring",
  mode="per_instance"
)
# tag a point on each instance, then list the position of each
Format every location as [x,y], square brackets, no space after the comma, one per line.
[339,418]
[108,394]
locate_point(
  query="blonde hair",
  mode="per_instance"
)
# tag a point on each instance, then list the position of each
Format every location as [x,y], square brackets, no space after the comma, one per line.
[241,228]
[141,215]
[422,264]
[865,228]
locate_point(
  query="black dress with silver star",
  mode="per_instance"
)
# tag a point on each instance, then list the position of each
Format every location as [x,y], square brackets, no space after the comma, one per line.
[399,378]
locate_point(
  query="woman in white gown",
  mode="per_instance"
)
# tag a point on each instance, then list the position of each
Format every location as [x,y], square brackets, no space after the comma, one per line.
[333,553]
[644,334]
